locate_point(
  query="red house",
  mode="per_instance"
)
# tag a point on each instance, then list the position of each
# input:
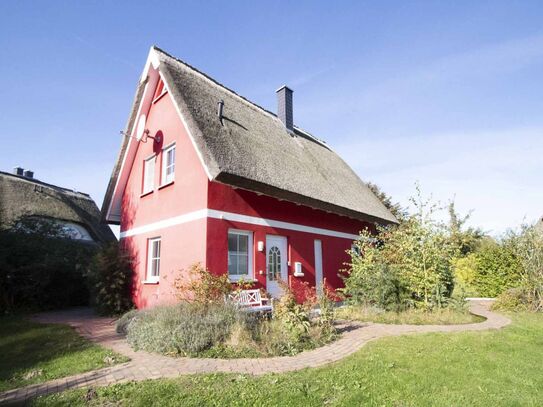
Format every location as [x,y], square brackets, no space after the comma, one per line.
[205,175]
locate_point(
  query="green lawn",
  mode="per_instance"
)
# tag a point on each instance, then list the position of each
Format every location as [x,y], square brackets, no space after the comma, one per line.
[32,353]
[490,368]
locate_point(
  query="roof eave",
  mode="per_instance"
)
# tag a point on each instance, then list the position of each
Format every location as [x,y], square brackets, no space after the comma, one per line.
[278,193]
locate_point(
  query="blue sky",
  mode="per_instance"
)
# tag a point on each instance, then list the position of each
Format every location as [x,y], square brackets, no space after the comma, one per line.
[449,94]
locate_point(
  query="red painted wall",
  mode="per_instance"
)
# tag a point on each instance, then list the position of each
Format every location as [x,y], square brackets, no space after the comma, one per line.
[300,244]
[205,240]
[184,244]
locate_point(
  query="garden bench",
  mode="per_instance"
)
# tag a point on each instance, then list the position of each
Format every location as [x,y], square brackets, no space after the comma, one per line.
[250,301]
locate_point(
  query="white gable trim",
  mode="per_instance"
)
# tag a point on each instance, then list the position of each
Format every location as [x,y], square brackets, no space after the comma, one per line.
[234,217]
[123,163]
[153,62]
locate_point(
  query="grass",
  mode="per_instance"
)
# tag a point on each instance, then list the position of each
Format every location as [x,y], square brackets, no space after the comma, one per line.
[489,368]
[445,316]
[32,353]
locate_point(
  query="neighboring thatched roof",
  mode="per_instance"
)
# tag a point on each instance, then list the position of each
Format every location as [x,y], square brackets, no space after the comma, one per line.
[21,196]
[253,150]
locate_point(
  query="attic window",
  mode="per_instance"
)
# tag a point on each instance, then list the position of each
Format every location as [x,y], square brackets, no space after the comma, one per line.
[160,90]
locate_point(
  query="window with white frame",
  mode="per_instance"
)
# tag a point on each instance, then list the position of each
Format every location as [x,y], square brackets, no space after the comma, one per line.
[240,254]
[153,259]
[149,175]
[168,164]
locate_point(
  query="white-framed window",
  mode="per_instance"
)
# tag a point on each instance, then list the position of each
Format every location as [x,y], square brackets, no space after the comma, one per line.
[240,254]
[149,174]
[168,164]
[153,259]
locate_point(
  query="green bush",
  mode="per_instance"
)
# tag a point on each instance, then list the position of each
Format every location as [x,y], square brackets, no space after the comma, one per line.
[409,265]
[513,299]
[40,268]
[204,325]
[183,329]
[197,284]
[490,270]
[223,330]
[122,323]
[110,280]
[528,247]
[298,326]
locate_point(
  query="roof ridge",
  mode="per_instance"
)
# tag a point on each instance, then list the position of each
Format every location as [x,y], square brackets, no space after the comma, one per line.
[233,92]
[46,184]
[206,76]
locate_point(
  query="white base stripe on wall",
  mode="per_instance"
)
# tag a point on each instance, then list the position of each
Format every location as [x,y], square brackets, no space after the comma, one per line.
[234,217]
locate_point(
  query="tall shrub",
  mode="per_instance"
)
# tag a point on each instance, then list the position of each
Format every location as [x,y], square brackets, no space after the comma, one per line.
[110,280]
[41,268]
[197,284]
[408,265]
[464,240]
[182,329]
[528,246]
[493,268]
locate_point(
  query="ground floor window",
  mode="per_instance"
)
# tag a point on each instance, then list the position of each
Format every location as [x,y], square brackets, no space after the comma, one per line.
[240,254]
[153,259]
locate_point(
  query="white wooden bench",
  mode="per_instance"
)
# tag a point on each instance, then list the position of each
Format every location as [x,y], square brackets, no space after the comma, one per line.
[250,301]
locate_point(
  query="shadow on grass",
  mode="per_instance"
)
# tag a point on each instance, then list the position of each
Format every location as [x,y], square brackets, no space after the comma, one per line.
[41,352]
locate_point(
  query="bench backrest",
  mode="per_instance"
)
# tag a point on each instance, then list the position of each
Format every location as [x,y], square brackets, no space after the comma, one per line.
[246,298]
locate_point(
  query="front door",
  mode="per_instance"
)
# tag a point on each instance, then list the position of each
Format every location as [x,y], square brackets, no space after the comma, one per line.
[276,264]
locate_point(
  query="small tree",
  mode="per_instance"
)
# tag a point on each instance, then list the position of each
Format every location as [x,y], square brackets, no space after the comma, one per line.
[197,284]
[408,265]
[110,280]
[464,240]
[491,269]
[397,210]
[40,267]
[528,246]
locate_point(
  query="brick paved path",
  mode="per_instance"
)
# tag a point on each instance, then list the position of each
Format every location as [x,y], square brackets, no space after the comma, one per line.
[152,366]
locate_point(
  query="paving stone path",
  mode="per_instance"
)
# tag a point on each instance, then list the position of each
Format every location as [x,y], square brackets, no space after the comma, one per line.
[145,365]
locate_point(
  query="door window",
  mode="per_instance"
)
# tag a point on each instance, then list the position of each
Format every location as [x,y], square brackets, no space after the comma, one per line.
[274,264]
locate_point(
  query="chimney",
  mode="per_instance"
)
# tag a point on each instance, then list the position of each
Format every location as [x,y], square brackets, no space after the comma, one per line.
[18,171]
[28,174]
[284,107]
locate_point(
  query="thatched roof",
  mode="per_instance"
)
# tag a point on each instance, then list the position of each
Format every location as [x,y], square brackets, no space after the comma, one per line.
[252,149]
[21,196]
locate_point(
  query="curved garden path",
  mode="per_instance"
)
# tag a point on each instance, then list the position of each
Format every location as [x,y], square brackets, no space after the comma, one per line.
[145,365]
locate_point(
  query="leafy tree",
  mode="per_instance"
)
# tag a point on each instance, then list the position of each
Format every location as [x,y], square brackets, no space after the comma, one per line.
[110,280]
[40,268]
[528,247]
[464,240]
[409,265]
[488,271]
[397,210]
